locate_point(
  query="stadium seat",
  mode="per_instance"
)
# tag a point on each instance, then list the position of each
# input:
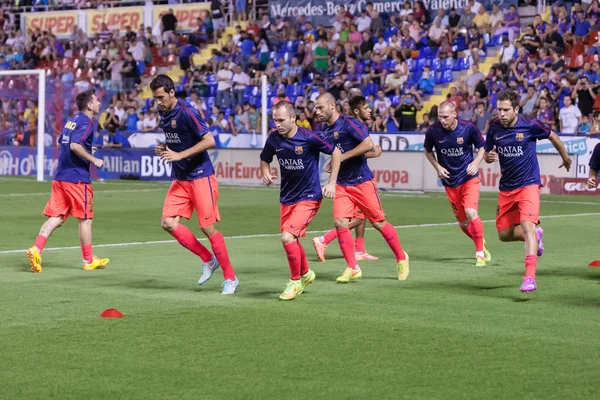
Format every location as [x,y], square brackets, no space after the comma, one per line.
[291,90]
[463,63]
[396,100]
[578,48]
[420,64]
[436,64]
[212,89]
[426,52]
[212,78]
[576,61]
[449,63]
[447,76]
[371,88]
[210,101]
[593,37]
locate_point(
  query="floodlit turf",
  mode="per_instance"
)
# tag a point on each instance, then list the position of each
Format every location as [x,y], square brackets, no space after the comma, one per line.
[452,331]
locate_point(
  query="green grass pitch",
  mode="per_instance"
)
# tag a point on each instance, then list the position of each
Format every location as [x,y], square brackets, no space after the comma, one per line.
[452,331]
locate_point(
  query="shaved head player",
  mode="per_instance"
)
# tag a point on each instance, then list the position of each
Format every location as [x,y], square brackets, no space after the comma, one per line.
[454,140]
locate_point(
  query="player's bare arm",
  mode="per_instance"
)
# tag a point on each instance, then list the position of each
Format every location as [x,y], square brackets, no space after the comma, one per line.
[81,153]
[441,171]
[364,147]
[206,142]
[375,153]
[265,168]
[473,167]
[336,160]
[591,182]
[560,147]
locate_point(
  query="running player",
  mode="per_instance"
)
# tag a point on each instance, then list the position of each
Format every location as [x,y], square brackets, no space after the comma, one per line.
[512,141]
[594,167]
[454,140]
[297,151]
[194,184]
[361,111]
[355,187]
[72,192]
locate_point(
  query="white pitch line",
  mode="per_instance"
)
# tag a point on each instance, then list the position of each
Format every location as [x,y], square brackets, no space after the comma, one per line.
[278,234]
[95,192]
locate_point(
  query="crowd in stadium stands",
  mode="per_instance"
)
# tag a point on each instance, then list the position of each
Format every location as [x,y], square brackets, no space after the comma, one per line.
[396,61]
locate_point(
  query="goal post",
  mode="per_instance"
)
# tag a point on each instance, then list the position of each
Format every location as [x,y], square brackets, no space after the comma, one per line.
[41,117]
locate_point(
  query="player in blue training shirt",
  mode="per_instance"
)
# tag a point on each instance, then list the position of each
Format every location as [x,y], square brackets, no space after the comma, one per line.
[361,111]
[194,184]
[355,187]
[453,141]
[298,152]
[512,141]
[72,192]
[594,167]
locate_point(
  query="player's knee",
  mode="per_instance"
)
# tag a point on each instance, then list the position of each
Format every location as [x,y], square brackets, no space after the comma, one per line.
[379,224]
[287,238]
[471,214]
[341,223]
[208,230]
[168,224]
[464,224]
[505,236]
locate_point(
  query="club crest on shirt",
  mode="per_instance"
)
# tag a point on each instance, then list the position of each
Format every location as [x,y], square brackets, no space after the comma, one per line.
[173,124]
[336,135]
[520,137]
[299,150]
[460,140]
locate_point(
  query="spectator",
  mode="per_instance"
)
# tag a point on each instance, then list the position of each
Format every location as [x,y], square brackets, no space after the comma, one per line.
[496,20]
[408,112]
[442,17]
[426,81]
[584,95]
[511,24]
[150,122]
[321,57]
[218,17]
[382,104]
[169,25]
[528,102]
[569,117]
[465,112]
[453,19]
[424,126]
[129,72]
[302,121]
[363,22]
[466,19]
[186,56]
[240,9]
[531,41]
[114,139]
[584,126]
[131,120]
[224,77]
[481,117]
[253,118]
[436,33]
[481,19]
[394,82]
[544,113]
[239,81]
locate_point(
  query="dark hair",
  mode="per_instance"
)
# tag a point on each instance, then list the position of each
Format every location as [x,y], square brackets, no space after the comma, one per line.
[509,95]
[83,99]
[284,104]
[357,102]
[162,81]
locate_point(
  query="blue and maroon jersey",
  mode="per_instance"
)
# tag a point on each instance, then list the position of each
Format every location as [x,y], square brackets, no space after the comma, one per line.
[516,150]
[298,158]
[595,159]
[346,133]
[454,149]
[71,168]
[183,129]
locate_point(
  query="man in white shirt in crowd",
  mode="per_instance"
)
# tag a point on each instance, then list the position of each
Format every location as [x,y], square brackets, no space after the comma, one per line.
[239,81]
[569,117]
[382,104]
[363,22]
[224,76]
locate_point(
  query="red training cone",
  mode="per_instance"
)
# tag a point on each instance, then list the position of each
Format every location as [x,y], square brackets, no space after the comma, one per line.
[595,263]
[111,313]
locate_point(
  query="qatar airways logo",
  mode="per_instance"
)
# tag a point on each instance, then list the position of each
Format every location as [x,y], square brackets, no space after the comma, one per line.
[510,151]
[453,152]
[291,164]
[172,137]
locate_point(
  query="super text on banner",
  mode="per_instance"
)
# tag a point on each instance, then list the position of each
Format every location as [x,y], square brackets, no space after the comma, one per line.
[115,18]
[60,23]
[186,14]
